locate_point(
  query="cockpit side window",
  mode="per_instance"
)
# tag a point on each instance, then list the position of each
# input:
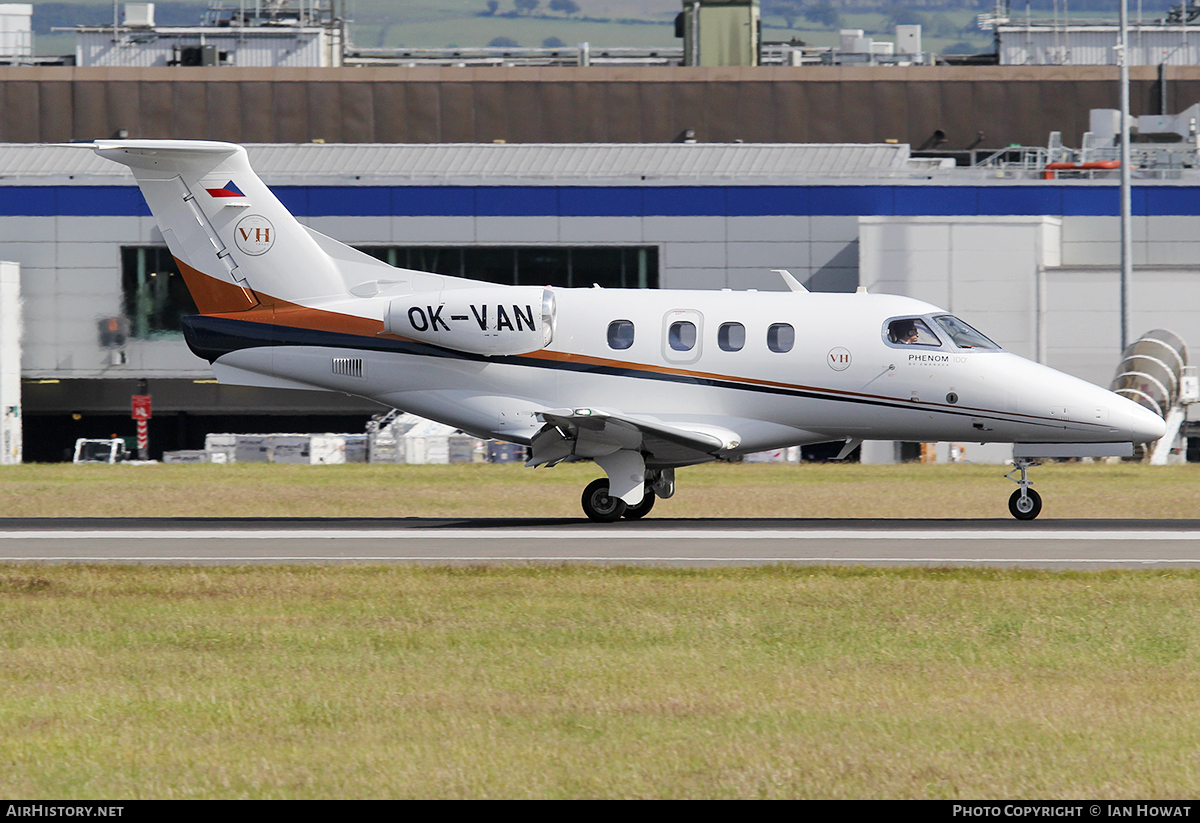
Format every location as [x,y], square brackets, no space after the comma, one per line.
[911,331]
[963,335]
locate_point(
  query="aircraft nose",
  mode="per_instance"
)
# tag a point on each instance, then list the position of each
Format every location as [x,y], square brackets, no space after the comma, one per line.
[1138,423]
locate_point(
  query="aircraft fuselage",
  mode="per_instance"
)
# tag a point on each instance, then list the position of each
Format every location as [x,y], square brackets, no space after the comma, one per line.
[839,377]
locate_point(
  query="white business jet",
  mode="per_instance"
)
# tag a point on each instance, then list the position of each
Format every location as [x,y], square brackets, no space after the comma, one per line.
[640,381]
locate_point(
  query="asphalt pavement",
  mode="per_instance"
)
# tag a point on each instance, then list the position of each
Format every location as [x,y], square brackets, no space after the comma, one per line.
[1050,544]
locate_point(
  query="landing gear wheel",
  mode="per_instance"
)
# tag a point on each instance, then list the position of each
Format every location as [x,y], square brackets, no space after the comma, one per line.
[1025,508]
[641,509]
[598,506]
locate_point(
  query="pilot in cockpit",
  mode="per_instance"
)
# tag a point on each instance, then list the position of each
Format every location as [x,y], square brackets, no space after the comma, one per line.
[904,331]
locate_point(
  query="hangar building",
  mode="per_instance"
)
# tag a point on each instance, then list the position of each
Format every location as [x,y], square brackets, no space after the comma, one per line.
[1032,262]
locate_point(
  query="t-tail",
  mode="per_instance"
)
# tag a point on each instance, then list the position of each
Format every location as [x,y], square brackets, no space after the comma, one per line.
[237,246]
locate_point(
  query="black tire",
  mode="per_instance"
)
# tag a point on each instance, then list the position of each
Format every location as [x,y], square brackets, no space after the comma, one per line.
[641,509]
[1032,505]
[598,506]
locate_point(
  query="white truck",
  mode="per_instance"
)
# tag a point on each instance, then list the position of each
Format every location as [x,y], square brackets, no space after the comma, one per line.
[107,450]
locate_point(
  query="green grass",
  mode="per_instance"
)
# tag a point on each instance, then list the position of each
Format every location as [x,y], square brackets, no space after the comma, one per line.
[715,490]
[596,682]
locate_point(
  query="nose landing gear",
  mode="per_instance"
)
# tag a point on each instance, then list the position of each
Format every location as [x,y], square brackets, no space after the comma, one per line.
[1025,503]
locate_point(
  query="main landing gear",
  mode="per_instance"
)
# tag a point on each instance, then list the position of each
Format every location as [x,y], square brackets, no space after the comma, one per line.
[599,506]
[1025,503]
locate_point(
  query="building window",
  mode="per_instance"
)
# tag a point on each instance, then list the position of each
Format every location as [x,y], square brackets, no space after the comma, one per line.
[155,296]
[781,337]
[731,336]
[620,334]
[622,267]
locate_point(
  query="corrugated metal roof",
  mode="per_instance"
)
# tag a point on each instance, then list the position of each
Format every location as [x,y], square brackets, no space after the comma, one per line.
[1049,45]
[498,163]
[589,161]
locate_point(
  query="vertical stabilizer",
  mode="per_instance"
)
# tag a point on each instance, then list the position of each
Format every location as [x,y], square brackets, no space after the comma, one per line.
[236,245]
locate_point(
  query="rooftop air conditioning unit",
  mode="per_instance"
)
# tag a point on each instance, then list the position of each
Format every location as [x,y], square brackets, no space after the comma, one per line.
[139,15]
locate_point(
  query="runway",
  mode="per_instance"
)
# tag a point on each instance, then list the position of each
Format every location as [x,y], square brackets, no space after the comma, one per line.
[1050,544]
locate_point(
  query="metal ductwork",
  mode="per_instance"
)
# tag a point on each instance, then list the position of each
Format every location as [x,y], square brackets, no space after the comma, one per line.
[1152,370]
[1155,373]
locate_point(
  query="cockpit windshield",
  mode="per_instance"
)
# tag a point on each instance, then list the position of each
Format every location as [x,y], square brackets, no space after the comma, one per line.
[963,335]
[911,331]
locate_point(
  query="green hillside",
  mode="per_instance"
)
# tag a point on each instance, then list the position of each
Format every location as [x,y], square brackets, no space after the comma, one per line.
[602,23]
[948,25]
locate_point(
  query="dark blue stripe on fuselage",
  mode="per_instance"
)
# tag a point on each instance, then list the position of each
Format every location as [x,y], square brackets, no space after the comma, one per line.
[211,337]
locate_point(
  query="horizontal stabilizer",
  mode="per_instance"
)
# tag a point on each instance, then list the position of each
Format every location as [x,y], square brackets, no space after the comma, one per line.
[233,376]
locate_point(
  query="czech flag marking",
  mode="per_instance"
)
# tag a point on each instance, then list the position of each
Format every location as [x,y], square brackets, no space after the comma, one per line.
[228,190]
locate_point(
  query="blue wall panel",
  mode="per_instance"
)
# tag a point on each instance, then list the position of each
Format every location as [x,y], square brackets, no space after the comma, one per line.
[636,201]
[101,200]
[1027,200]
[600,201]
[1173,200]
[350,201]
[683,201]
[294,199]
[29,200]
[516,201]
[757,201]
[851,200]
[1091,201]
[433,201]
[936,200]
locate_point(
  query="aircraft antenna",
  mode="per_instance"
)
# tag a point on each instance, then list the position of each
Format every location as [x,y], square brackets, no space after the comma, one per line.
[792,282]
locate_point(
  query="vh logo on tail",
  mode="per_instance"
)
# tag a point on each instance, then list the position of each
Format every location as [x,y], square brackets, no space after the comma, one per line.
[254,234]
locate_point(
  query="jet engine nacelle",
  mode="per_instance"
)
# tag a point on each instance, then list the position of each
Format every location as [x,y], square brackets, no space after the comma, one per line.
[500,320]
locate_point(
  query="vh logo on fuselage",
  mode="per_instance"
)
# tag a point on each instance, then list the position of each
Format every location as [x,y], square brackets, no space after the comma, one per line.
[839,358]
[491,318]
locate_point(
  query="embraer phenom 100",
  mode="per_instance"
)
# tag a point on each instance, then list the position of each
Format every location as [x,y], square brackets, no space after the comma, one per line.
[641,382]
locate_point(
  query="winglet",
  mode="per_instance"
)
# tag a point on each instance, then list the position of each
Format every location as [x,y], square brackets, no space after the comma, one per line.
[792,282]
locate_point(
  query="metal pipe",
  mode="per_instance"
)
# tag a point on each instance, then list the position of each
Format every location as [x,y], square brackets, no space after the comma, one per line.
[1126,177]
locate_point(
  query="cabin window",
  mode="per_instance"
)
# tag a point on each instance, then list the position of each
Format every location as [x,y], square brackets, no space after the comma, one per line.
[781,337]
[911,331]
[963,335]
[620,334]
[682,335]
[731,336]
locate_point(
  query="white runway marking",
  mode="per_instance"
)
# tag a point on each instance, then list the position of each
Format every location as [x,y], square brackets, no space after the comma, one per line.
[583,534]
[622,559]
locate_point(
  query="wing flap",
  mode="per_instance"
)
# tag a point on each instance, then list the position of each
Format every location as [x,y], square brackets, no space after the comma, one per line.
[592,433]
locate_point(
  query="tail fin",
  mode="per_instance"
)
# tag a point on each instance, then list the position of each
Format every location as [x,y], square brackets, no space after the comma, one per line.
[236,244]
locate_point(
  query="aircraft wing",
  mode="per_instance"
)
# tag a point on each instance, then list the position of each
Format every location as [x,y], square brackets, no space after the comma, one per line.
[600,432]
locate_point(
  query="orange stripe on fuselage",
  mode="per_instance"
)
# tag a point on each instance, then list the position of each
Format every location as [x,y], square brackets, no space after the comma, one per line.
[215,296]
[279,312]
